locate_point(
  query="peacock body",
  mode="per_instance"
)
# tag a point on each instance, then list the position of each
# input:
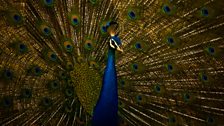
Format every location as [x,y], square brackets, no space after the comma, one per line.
[59,64]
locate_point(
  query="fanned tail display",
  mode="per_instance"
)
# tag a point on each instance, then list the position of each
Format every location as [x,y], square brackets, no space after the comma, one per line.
[58,62]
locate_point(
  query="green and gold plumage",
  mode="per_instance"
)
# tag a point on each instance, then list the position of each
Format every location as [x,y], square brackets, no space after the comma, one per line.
[53,54]
[87,82]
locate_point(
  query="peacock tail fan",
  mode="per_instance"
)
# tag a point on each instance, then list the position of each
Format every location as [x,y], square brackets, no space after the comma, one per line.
[53,54]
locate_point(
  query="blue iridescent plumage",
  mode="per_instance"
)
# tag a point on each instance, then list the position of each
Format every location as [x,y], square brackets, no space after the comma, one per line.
[105,112]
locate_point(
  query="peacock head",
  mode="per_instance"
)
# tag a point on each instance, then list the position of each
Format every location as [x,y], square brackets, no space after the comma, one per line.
[115,41]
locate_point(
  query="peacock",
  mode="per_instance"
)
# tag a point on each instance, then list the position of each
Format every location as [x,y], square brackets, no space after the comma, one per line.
[112,62]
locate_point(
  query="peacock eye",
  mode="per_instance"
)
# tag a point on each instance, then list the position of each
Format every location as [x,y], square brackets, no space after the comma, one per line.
[132,14]
[204,12]
[113,43]
[17,17]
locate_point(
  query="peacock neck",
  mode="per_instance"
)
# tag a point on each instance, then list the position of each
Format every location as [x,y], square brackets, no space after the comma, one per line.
[105,112]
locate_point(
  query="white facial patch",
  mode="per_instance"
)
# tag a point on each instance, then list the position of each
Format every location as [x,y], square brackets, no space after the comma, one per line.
[114,45]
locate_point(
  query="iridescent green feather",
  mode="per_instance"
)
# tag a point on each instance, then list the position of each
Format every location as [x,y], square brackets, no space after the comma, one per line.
[14,17]
[88,84]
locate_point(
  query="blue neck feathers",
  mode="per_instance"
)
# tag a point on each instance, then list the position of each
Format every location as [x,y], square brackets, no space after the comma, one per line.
[105,112]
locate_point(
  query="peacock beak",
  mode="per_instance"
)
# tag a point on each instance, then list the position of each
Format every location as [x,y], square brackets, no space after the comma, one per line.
[119,49]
